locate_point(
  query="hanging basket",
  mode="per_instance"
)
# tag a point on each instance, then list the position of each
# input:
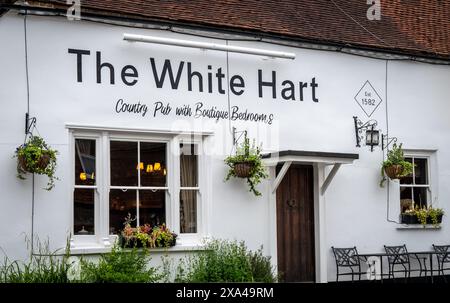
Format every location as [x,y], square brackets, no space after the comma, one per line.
[394,171]
[243,169]
[40,164]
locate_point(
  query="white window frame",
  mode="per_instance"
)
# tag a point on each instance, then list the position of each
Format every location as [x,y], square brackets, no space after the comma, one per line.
[102,238]
[192,238]
[430,156]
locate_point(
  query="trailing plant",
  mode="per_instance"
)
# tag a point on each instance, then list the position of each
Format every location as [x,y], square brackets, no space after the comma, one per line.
[36,157]
[120,266]
[225,261]
[250,155]
[395,157]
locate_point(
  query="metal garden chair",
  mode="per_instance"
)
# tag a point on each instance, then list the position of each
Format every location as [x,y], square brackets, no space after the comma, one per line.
[399,256]
[443,257]
[347,258]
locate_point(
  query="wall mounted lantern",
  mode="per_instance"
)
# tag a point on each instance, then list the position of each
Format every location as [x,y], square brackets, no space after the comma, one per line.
[368,130]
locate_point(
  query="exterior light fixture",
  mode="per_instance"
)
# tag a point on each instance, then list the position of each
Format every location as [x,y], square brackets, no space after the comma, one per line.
[206,45]
[372,135]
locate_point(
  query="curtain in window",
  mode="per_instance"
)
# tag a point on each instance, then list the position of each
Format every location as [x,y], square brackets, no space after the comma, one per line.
[188,198]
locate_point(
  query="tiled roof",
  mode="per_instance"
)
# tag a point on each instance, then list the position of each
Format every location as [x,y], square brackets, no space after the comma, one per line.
[415,27]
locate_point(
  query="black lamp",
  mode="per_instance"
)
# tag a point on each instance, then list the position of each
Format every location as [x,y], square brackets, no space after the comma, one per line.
[372,134]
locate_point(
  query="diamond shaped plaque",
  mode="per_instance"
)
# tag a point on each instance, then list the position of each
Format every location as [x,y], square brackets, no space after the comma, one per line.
[368,99]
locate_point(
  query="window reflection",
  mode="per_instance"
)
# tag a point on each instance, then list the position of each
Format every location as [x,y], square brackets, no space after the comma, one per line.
[124,159]
[153,168]
[85,162]
[83,211]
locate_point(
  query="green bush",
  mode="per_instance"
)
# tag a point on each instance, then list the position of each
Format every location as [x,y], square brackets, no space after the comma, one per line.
[42,267]
[120,266]
[225,261]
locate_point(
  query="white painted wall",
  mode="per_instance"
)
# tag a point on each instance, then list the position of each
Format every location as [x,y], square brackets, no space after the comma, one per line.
[354,205]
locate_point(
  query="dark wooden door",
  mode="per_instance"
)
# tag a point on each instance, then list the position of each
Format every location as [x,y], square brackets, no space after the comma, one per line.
[295,225]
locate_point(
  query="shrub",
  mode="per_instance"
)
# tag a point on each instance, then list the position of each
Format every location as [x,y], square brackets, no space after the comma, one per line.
[42,267]
[225,261]
[120,266]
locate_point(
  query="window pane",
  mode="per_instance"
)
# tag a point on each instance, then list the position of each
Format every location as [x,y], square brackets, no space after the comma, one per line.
[121,203]
[408,179]
[83,212]
[406,199]
[152,207]
[153,164]
[85,162]
[420,196]
[188,165]
[421,171]
[124,163]
[188,211]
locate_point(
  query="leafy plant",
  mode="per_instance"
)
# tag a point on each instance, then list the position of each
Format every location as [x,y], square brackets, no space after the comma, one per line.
[226,261]
[120,266]
[146,235]
[422,215]
[434,214]
[251,154]
[35,156]
[396,156]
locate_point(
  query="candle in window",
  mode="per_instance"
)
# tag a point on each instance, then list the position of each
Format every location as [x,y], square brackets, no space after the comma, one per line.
[83,176]
[149,168]
[140,166]
[157,166]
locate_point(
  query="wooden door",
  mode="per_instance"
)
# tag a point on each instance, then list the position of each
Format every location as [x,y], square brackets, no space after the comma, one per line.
[295,225]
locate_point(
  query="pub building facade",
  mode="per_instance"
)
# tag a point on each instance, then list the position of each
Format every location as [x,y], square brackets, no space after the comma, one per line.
[143,104]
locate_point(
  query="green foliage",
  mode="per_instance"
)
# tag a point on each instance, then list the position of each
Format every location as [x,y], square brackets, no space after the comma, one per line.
[120,266]
[252,155]
[225,261]
[434,213]
[29,160]
[42,267]
[396,156]
[146,235]
[425,213]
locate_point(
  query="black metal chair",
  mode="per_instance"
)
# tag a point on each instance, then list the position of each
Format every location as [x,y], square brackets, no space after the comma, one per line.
[399,256]
[443,257]
[347,258]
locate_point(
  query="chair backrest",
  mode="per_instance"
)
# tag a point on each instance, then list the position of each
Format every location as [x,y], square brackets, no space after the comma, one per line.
[397,254]
[442,252]
[346,256]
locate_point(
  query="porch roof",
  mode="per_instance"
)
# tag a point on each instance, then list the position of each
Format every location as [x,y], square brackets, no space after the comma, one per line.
[287,157]
[302,156]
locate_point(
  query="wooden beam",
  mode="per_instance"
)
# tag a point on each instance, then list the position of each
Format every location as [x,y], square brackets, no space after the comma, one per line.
[280,176]
[329,178]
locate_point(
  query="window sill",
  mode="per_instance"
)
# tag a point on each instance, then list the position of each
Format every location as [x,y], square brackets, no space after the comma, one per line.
[418,227]
[102,250]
